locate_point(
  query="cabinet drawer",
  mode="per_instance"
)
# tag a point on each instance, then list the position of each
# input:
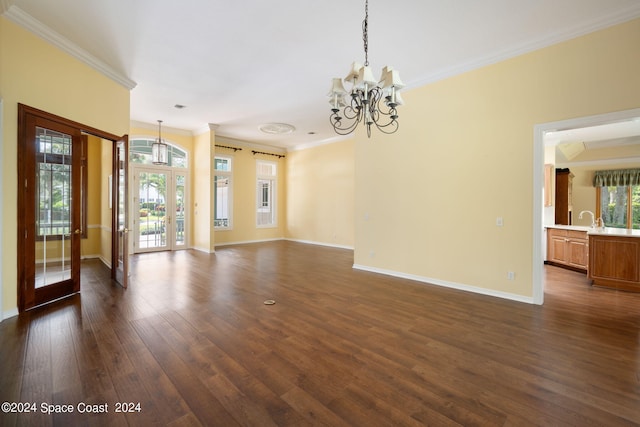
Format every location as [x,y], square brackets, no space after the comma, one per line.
[556,232]
[574,234]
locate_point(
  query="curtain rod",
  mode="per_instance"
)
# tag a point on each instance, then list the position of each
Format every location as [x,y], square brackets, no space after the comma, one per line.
[230,148]
[268,154]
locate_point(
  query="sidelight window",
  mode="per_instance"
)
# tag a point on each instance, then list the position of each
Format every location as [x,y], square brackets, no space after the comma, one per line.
[266,173]
[223,193]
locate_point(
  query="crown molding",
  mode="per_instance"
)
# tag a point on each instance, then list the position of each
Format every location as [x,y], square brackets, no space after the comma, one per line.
[605,21]
[306,145]
[5,5]
[154,127]
[31,24]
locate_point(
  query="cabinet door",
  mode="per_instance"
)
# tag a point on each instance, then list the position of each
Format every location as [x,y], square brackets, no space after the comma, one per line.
[616,259]
[577,253]
[557,248]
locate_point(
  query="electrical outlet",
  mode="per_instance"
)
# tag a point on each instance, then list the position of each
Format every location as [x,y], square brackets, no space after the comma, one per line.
[511,275]
[499,221]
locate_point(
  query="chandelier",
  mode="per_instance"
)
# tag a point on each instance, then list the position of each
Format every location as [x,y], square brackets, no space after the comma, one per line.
[370,101]
[159,150]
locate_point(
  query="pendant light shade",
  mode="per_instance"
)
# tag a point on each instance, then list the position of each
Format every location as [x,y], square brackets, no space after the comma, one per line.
[159,150]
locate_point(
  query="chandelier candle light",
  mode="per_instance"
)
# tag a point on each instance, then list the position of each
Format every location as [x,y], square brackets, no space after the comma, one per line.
[159,150]
[371,101]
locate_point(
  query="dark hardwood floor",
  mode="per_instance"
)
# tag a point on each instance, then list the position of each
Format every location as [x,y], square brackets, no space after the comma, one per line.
[192,342]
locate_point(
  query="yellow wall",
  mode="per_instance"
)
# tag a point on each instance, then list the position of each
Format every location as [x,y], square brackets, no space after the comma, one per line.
[201,187]
[427,197]
[35,73]
[244,198]
[320,194]
[584,194]
[91,245]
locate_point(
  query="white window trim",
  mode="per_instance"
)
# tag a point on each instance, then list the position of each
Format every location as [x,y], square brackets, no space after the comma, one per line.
[274,201]
[229,175]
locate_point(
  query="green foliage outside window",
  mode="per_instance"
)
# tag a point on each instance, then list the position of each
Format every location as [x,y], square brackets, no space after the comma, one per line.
[614,206]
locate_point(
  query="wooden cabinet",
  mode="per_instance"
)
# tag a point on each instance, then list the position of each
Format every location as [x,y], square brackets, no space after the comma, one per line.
[568,248]
[615,261]
[564,196]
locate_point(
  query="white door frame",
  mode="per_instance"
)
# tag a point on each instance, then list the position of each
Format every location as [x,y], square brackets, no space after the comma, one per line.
[170,207]
[539,131]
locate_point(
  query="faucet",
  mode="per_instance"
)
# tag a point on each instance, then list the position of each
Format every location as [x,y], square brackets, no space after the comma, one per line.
[593,218]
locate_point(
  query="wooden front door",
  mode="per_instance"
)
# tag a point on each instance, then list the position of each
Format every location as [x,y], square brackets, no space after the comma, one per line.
[49,209]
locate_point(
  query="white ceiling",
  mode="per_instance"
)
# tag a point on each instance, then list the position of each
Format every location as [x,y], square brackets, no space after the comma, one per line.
[621,139]
[240,64]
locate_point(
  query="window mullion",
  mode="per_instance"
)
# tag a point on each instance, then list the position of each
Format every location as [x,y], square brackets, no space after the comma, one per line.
[630,206]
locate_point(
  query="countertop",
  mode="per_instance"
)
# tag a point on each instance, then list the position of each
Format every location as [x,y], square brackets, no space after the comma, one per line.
[621,232]
[607,231]
[570,227]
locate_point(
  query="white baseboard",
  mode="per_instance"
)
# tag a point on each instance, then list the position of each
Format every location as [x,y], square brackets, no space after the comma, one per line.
[246,242]
[105,262]
[311,242]
[9,313]
[447,284]
[205,250]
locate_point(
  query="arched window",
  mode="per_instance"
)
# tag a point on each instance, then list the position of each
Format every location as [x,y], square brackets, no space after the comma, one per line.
[140,153]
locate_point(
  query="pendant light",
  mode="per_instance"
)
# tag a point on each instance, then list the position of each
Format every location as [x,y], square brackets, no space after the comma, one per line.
[370,101]
[159,150]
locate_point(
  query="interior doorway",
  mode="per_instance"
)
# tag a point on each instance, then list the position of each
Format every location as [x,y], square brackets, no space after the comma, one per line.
[538,182]
[52,194]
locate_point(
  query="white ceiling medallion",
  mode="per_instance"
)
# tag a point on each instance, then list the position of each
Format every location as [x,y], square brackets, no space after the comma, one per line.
[277,128]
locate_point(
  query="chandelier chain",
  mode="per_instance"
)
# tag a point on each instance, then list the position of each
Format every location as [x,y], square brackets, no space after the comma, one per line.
[365,33]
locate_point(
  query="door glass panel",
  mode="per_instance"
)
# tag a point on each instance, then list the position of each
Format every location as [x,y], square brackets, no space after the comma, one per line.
[53,207]
[122,224]
[180,209]
[152,210]
[120,238]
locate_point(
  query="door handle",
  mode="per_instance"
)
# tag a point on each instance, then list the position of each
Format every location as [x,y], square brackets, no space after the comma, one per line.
[77,231]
